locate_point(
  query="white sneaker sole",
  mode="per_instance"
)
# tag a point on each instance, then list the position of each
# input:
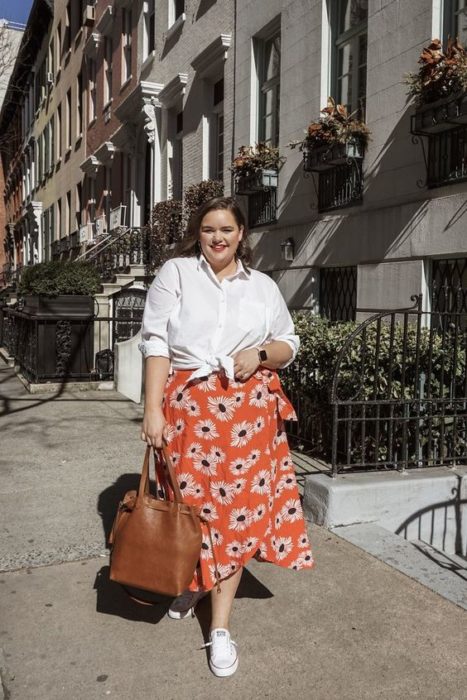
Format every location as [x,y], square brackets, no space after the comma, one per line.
[224,672]
[175,615]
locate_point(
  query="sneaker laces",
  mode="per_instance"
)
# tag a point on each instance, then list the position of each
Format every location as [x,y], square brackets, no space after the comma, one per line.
[221,640]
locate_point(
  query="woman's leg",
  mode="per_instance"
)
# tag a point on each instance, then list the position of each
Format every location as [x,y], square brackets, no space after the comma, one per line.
[221,602]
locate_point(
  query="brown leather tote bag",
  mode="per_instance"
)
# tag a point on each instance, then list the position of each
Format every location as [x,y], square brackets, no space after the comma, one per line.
[156,542]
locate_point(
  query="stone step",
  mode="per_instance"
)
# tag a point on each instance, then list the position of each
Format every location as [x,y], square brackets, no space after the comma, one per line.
[444,574]
[138,271]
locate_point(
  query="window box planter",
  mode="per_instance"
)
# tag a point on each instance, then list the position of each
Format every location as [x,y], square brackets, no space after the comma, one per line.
[327,156]
[249,184]
[66,305]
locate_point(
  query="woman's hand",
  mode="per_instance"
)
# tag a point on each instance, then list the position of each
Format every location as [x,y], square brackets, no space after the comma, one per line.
[153,429]
[246,362]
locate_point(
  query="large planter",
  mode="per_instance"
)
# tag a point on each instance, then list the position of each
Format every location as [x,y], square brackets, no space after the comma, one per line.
[263,179]
[441,115]
[54,338]
[64,305]
[327,156]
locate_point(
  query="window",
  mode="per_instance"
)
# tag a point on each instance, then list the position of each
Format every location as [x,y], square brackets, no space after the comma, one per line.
[338,293]
[126,45]
[51,143]
[455,20]
[269,68]
[67,36]
[51,58]
[217,132]
[79,106]
[176,10]
[59,219]
[68,120]
[349,20]
[176,162]
[41,157]
[149,34]
[79,205]
[58,47]
[92,91]
[59,132]
[449,286]
[68,214]
[108,51]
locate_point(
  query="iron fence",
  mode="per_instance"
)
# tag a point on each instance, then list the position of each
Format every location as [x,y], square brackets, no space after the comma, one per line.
[64,349]
[447,156]
[262,207]
[340,186]
[398,395]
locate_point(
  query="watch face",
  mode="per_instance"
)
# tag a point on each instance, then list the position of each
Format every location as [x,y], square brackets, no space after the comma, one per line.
[263,355]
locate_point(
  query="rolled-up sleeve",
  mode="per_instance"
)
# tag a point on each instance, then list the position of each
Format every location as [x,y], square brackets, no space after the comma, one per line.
[282,327]
[161,299]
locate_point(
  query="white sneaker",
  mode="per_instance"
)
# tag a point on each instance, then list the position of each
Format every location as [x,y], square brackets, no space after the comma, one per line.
[184,605]
[223,657]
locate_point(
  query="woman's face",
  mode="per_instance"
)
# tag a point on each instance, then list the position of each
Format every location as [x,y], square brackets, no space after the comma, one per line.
[219,238]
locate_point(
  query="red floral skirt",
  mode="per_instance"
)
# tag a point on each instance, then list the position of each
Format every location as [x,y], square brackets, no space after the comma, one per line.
[231,458]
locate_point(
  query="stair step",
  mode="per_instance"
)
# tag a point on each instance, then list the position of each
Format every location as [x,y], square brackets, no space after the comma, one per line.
[138,270]
[444,574]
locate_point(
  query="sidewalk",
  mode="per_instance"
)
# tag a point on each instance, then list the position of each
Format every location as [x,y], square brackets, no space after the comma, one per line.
[353,628]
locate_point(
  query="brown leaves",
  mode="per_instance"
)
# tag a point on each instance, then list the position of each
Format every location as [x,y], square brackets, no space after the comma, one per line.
[441,73]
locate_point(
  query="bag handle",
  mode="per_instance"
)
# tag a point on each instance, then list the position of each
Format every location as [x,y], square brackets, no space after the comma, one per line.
[144,481]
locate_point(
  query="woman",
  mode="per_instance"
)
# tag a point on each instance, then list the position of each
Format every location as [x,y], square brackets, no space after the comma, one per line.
[214,332]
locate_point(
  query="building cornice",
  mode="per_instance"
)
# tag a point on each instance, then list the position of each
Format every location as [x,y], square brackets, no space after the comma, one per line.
[105,23]
[174,90]
[90,166]
[144,93]
[207,61]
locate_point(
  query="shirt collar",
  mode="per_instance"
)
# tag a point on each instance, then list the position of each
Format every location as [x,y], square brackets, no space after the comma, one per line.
[241,271]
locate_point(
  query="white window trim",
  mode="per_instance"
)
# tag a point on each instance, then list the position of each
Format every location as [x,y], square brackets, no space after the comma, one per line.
[326,56]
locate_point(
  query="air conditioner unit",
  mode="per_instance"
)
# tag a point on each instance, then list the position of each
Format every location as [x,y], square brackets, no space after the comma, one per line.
[86,232]
[117,217]
[50,78]
[89,15]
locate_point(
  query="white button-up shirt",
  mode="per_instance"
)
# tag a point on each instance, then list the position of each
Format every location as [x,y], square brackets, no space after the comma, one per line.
[199,322]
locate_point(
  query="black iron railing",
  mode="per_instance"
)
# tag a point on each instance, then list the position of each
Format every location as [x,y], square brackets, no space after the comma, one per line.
[65,349]
[449,285]
[118,252]
[340,186]
[447,157]
[262,207]
[396,397]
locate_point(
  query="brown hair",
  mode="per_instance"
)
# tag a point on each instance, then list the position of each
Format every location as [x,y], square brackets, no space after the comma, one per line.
[189,245]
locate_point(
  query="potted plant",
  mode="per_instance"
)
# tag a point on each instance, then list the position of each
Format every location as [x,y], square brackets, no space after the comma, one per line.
[334,138]
[439,87]
[256,167]
[59,288]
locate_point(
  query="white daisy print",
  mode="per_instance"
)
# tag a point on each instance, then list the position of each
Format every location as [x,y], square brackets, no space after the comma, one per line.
[241,434]
[217,537]
[194,450]
[179,426]
[206,548]
[291,511]
[253,457]
[258,513]
[282,546]
[259,424]
[187,484]
[221,407]
[280,437]
[205,464]
[305,557]
[175,458]
[297,564]
[258,396]
[240,466]
[206,429]
[209,512]
[199,491]
[223,492]
[303,542]
[178,397]
[289,481]
[216,455]
[207,384]
[169,432]
[239,519]
[239,398]
[192,408]
[286,464]
[249,545]
[273,467]
[220,571]
[234,549]
[278,520]
[239,485]
[280,486]
[261,482]
[263,550]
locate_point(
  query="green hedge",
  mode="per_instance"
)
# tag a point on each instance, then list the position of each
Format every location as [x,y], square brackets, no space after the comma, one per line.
[50,279]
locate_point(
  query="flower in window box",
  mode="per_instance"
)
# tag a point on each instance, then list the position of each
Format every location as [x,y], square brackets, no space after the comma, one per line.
[442,74]
[334,138]
[256,167]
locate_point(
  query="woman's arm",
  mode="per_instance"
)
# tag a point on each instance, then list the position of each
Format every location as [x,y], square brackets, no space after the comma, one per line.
[246,362]
[156,374]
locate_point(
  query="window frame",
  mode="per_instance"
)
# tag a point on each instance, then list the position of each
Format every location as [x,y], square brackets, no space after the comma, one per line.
[127,19]
[264,86]
[108,76]
[149,28]
[449,20]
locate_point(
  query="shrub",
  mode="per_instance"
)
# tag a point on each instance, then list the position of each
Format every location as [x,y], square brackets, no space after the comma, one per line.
[50,279]
[375,368]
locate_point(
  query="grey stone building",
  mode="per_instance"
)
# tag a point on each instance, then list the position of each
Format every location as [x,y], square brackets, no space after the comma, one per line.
[399,229]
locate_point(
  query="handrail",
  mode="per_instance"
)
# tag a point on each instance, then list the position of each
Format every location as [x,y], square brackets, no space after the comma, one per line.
[93,252]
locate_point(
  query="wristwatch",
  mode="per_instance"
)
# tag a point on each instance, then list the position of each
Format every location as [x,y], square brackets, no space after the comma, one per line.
[262,354]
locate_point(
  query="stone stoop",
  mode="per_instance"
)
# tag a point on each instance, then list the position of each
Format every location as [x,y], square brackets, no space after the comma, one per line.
[444,574]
